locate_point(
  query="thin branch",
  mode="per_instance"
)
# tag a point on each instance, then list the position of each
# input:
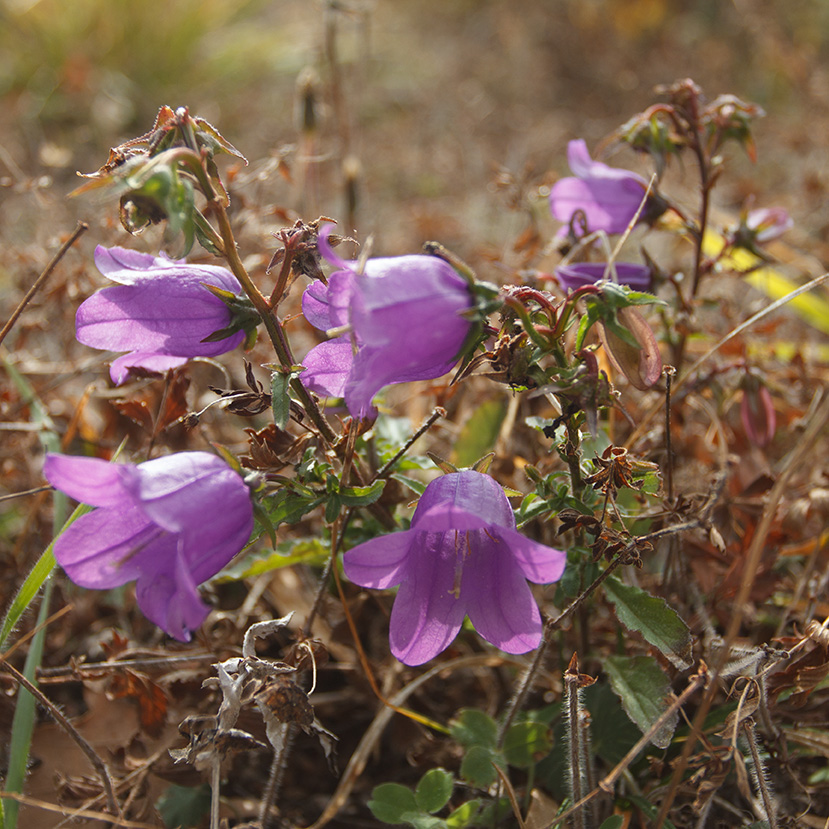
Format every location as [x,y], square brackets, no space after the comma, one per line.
[41,280]
[70,729]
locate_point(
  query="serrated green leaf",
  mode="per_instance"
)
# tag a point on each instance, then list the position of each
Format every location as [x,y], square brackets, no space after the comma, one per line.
[643,688]
[474,728]
[526,743]
[361,496]
[391,801]
[280,401]
[288,507]
[332,508]
[477,768]
[434,790]
[654,618]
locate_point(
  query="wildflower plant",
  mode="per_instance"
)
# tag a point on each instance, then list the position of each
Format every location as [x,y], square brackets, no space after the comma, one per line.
[587,351]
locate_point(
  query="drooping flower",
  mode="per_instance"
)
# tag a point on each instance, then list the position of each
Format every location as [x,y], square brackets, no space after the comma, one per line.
[160,312]
[404,320]
[607,196]
[168,524]
[757,412]
[759,226]
[577,274]
[461,557]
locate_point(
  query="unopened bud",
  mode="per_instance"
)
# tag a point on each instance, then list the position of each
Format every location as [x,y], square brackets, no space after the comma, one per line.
[642,365]
[757,412]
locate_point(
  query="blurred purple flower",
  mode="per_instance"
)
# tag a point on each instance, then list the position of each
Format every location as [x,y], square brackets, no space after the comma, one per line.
[462,556]
[161,311]
[757,412]
[768,223]
[579,274]
[404,321]
[608,197]
[170,524]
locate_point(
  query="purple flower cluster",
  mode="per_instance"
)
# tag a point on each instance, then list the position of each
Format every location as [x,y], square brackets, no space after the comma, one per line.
[160,312]
[169,524]
[403,318]
[461,557]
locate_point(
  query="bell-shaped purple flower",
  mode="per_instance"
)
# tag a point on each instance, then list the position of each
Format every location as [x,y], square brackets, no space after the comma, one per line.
[608,197]
[169,524]
[578,274]
[461,557]
[404,317]
[161,312]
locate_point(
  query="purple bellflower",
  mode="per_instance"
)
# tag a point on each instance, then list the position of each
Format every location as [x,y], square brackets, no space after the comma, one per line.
[169,524]
[404,317]
[578,274]
[608,197]
[461,557]
[161,311]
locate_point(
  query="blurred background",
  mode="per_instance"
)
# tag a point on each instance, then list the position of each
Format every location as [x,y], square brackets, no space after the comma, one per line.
[440,112]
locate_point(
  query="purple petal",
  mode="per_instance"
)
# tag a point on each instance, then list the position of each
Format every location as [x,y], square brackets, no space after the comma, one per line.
[315,305]
[110,547]
[170,314]
[128,267]
[578,274]
[463,501]
[380,562]
[427,616]
[169,598]
[497,598]
[537,562]
[327,367]
[578,157]
[89,480]
[119,371]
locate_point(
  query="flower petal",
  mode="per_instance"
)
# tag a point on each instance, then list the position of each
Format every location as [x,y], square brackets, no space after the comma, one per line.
[427,616]
[327,367]
[119,370]
[538,562]
[109,547]
[89,480]
[498,600]
[463,501]
[380,562]
[169,598]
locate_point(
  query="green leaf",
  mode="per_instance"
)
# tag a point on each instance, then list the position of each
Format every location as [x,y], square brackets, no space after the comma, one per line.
[526,743]
[288,507]
[474,728]
[391,801]
[280,401]
[643,689]
[34,581]
[613,822]
[434,790]
[479,433]
[477,768]
[361,496]
[463,815]
[659,623]
[184,806]
[418,487]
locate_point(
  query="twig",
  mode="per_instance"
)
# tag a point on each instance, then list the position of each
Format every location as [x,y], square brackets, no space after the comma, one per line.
[817,424]
[645,421]
[70,729]
[23,800]
[40,281]
[437,413]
